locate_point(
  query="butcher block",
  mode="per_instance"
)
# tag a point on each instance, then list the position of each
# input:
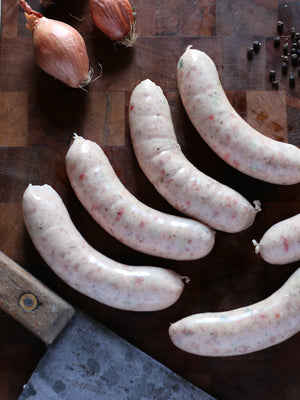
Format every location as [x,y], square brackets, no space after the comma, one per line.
[39,116]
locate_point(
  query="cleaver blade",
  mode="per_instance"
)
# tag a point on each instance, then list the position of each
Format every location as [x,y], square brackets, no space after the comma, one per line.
[89,362]
[84,360]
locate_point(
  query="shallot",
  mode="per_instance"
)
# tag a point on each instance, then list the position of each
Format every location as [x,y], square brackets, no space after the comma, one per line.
[59,49]
[116,19]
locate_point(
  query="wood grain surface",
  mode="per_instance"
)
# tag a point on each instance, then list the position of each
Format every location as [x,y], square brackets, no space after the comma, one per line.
[38,116]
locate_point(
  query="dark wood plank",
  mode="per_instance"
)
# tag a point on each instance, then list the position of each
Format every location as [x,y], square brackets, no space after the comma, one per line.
[39,116]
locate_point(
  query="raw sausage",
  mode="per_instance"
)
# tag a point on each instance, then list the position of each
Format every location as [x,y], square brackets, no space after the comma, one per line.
[85,269]
[124,216]
[281,243]
[175,178]
[225,131]
[244,330]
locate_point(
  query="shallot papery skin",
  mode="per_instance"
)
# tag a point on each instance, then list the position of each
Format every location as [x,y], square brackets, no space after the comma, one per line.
[59,49]
[115,19]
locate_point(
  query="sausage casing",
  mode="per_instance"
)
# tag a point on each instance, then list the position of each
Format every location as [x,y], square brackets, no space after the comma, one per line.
[124,216]
[243,330]
[87,270]
[280,244]
[175,178]
[225,131]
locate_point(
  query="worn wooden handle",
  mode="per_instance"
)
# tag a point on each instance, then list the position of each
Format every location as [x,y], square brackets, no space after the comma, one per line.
[30,302]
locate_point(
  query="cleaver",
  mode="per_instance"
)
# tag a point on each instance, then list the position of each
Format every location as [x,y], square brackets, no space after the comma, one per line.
[84,360]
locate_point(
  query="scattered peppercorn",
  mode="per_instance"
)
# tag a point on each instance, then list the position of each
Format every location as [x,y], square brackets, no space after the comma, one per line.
[294,58]
[287,56]
[256,45]
[279,27]
[285,48]
[293,50]
[292,81]
[276,41]
[275,84]
[272,75]
[284,67]
[250,52]
[285,59]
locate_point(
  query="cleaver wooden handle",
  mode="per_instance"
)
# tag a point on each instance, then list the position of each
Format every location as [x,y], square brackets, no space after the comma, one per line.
[31,303]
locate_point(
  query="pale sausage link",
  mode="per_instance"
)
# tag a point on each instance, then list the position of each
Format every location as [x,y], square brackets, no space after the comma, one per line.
[86,270]
[124,216]
[225,131]
[280,244]
[175,178]
[244,330]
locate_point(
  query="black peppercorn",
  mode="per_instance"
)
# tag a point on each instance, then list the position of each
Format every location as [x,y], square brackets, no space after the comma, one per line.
[275,84]
[293,31]
[293,50]
[277,41]
[297,36]
[285,59]
[284,67]
[285,48]
[279,27]
[272,75]
[294,59]
[292,81]
[256,45]
[250,52]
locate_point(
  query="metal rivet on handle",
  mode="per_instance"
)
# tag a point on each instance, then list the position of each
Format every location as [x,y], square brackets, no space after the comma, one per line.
[28,302]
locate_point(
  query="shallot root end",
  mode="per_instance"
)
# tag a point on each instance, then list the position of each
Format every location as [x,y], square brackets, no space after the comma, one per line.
[129,40]
[90,78]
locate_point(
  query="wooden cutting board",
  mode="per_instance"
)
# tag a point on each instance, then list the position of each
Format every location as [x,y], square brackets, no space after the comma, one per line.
[38,116]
